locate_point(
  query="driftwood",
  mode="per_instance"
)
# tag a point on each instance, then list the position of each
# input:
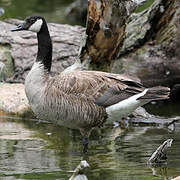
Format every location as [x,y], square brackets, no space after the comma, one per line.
[112,31]
[160,155]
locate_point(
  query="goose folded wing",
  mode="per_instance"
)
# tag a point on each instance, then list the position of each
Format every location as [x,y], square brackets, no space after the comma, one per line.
[104,89]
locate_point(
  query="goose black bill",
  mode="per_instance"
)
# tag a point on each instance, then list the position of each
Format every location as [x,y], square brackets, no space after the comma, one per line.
[20,27]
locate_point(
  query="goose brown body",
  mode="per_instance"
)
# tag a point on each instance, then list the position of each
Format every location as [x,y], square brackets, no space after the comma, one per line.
[77,95]
[79,99]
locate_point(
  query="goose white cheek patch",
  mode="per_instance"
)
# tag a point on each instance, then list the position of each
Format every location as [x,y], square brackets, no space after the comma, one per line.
[36,26]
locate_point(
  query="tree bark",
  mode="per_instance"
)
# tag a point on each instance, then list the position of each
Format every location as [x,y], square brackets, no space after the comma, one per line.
[105,32]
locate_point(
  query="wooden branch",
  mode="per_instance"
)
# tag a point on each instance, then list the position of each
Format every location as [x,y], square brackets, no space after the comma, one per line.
[160,155]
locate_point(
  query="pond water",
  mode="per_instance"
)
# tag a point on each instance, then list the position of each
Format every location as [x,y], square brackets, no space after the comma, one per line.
[33,150]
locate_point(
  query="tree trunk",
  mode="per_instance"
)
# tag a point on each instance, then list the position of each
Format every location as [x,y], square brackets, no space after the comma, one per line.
[105,32]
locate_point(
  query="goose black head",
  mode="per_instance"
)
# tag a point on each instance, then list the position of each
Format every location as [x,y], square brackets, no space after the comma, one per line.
[31,23]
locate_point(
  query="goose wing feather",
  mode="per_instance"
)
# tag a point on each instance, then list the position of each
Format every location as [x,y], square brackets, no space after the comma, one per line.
[104,89]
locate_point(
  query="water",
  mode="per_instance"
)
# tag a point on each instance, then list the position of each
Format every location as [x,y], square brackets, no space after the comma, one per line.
[32,150]
[170,109]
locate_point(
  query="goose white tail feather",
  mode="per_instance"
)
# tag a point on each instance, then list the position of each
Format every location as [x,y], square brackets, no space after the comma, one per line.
[127,106]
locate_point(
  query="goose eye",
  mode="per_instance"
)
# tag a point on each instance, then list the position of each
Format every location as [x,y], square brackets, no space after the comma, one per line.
[32,20]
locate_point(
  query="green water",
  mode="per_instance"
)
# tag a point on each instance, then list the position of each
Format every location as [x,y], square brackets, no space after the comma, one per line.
[32,150]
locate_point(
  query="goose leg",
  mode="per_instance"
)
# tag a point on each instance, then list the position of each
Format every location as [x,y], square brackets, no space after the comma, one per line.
[85,142]
[85,132]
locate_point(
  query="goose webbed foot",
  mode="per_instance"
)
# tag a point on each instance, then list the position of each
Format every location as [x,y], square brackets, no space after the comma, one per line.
[85,142]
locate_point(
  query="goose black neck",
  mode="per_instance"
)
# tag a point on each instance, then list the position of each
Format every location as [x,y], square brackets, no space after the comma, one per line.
[44,54]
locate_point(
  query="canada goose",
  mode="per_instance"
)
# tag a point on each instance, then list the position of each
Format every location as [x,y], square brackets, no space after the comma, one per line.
[80,99]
